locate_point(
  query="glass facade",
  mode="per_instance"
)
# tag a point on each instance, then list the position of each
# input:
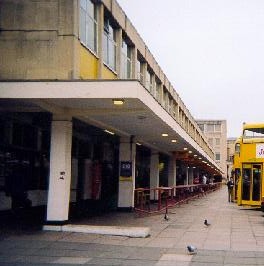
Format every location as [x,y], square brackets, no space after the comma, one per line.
[88,25]
[126,63]
[109,45]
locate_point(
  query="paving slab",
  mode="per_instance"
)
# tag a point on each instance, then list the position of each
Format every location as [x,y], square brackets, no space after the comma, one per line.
[235,237]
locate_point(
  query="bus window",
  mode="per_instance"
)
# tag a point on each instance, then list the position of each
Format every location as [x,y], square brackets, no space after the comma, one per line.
[253,133]
[246,183]
[256,182]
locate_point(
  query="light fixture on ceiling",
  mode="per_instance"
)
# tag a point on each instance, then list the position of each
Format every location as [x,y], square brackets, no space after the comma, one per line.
[185,149]
[109,132]
[174,140]
[139,144]
[118,101]
[195,155]
[164,135]
[190,151]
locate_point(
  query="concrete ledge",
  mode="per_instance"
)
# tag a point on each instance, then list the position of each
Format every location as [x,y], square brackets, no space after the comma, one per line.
[101,230]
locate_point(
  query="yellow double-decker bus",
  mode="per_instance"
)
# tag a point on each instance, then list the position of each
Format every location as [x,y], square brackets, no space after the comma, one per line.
[250,161]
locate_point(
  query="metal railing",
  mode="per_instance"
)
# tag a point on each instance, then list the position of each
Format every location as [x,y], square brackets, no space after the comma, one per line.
[157,200]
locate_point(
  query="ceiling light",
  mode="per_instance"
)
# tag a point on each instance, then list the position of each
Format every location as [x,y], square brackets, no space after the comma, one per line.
[173,140]
[109,132]
[118,101]
[190,151]
[164,135]
[195,155]
[185,149]
[139,144]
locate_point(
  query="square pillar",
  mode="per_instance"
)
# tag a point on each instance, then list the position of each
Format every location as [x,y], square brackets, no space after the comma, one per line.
[191,175]
[60,172]
[134,63]
[127,156]
[154,173]
[172,173]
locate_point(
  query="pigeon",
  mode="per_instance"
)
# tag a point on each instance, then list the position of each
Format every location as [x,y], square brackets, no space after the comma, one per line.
[166,217]
[206,223]
[192,249]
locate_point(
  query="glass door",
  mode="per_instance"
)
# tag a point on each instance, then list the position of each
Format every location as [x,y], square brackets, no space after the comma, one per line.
[251,184]
[256,182]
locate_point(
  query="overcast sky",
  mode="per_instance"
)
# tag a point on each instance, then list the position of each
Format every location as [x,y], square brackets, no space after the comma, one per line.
[212,52]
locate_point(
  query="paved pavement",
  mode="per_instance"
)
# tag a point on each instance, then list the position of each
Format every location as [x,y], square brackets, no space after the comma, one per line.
[235,237]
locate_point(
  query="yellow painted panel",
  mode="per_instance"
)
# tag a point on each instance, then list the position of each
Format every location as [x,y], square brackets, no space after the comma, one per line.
[88,64]
[108,74]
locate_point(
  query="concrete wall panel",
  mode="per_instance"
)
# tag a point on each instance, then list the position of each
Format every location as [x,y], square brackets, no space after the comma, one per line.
[119,14]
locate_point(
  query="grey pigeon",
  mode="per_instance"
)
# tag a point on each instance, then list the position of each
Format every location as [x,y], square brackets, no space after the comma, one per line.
[166,217]
[191,249]
[206,223]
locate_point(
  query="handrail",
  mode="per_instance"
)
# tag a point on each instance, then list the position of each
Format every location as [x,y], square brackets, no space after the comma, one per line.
[156,200]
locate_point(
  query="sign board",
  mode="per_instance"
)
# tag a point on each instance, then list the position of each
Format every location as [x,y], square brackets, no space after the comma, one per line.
[125,171]
[259,150]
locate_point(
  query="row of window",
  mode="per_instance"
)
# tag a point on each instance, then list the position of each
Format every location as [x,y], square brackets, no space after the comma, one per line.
[217,156]
[214,142]
[89,37]
[210,127]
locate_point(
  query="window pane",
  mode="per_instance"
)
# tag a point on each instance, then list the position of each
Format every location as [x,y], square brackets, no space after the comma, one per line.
[129,68]
[253,133]
[105,48]
[111,33]
[112,53]
[217,156]
[201,126]
[83,4]
[218,128]
[90,33]
[88,24]
[124,66]
[124,48]
[148,81]
[210,128]
[90,8]
[82,26]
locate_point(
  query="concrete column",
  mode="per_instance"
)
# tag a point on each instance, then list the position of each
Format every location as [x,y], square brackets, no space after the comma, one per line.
[127,153]
[154,172]
[172,173]
[185,169]
[134,63]
[118,51]
[60,171]
[100,63]
[191,171]
[144,69]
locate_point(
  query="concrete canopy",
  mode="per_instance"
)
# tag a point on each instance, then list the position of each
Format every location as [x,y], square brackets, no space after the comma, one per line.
[140,116]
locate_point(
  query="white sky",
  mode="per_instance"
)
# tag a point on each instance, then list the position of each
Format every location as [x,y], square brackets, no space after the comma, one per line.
[212,52]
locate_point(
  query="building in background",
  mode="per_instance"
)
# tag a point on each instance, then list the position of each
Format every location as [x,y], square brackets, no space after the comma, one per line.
[216,133]
[230,155]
